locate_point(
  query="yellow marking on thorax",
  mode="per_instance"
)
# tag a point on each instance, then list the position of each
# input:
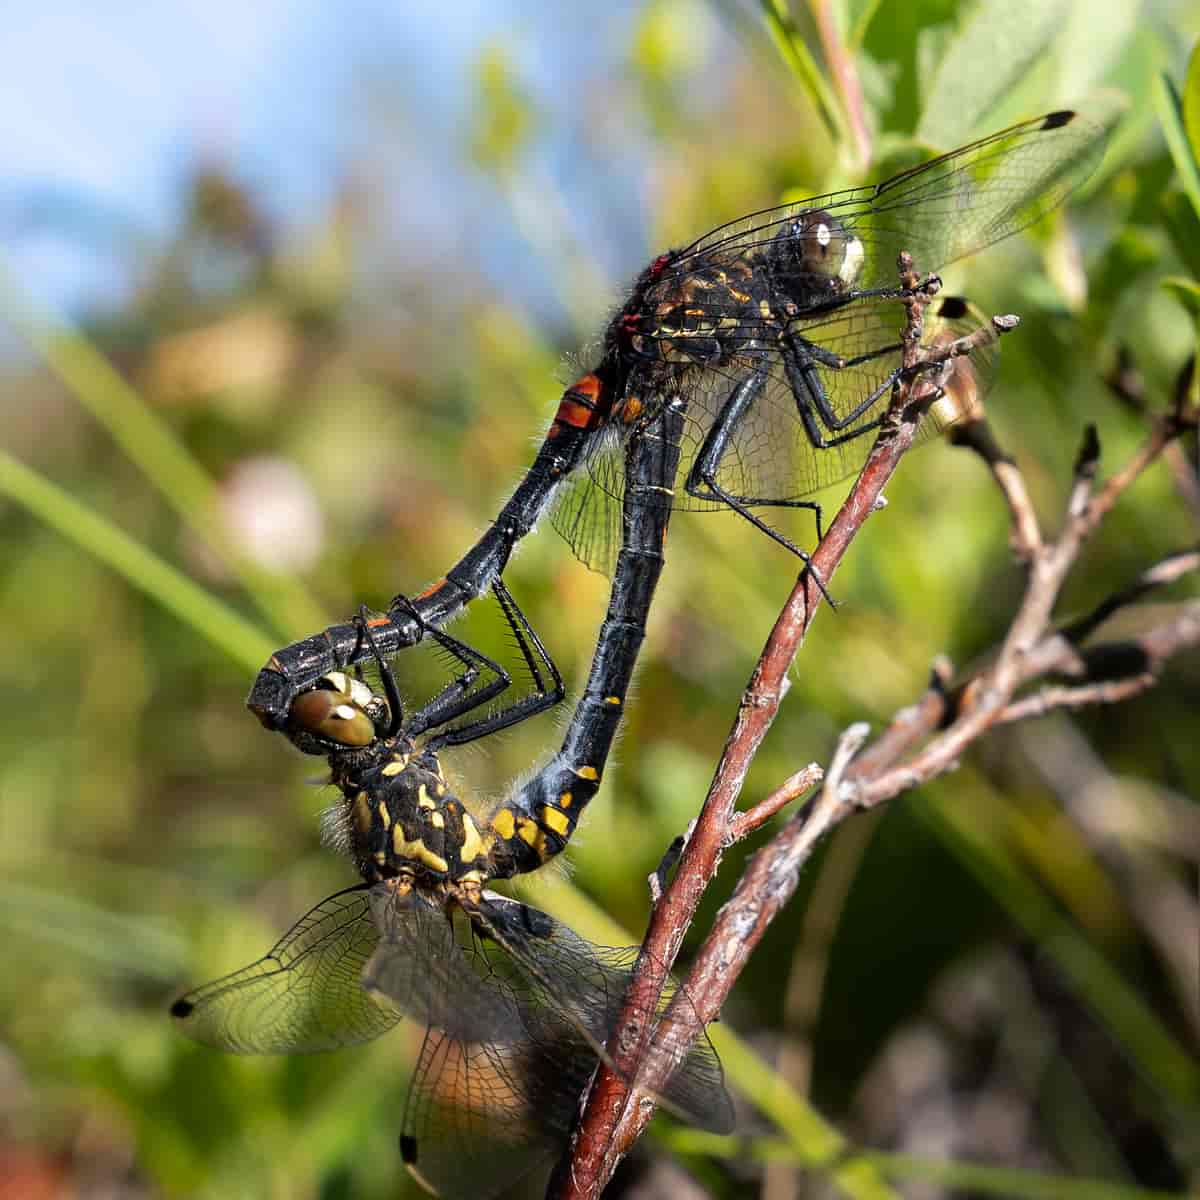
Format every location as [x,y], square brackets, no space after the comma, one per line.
[396,765]
[362,813]
[423,798]
[472,845]
[437,820]
[417,849]
[504,824]
[387,816]
[559,822]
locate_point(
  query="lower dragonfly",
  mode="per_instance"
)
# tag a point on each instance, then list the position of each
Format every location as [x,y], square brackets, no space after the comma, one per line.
[778,338]
[517,1007]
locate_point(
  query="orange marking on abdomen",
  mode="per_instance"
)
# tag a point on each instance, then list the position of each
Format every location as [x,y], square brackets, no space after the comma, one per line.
[431,590]
[582,403]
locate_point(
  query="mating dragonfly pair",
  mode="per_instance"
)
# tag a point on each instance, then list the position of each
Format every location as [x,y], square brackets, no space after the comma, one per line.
[745,371]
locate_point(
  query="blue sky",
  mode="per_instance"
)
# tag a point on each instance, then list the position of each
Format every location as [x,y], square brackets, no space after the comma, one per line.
[100,116]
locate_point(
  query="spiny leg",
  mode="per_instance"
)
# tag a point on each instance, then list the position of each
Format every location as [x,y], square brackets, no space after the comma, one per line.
[532,650]
[702,478]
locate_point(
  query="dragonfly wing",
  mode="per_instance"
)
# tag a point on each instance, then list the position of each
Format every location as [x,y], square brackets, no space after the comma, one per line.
[495,1085]
[587,512]
[434,973]
[573,992]
[304,995]
[940,210]
[480,1116]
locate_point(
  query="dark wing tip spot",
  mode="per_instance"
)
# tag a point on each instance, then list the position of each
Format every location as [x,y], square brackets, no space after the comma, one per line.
[953,308]
[182,1007]
[408,1149]
[1056,120]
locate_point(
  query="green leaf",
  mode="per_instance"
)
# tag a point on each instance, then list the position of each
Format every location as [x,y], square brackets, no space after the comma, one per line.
[796,54]
[1170,117]
[1190,102]
[987,57]
[1182,224]
[1186,291]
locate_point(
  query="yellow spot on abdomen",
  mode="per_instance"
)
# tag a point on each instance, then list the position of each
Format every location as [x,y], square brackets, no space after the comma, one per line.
[587,773]
[532,836]
[553,819]
[423,798]
[437,820]
[612,699]
[395,766]
[385,815]
[504,824]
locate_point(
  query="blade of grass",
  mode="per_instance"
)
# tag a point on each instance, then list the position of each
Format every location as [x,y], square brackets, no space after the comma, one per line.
[1170,117]
[796,54]
[1160,1057]
[961,1177]
[154,448]
[95,535]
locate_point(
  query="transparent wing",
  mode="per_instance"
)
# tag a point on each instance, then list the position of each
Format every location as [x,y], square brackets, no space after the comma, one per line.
[305,995]
[518,1013]
[587,513]
[573,991]
[480,1116]
[435,973]
[939,211]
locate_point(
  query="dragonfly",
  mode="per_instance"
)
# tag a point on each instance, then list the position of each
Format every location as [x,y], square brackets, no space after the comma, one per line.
[776,337]
[517,1007]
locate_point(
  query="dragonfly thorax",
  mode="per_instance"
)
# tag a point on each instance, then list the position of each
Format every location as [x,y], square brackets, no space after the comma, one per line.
[402,819]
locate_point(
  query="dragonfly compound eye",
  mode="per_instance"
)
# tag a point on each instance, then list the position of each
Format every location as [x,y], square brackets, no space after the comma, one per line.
[822,246]
[339,709]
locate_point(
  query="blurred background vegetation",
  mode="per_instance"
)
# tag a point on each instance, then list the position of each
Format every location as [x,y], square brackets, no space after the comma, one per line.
[235,415]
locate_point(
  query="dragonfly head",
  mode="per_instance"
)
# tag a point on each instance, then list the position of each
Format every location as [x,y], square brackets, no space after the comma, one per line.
[339,713]
[818,252]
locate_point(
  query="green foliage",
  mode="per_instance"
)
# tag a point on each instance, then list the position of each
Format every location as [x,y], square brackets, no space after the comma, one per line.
[1023,922]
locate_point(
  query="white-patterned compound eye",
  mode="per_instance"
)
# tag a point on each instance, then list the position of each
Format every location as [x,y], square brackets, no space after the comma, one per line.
[821,245]
[338,710]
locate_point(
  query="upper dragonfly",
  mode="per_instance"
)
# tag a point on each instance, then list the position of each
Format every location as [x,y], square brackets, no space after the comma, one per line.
[777,335]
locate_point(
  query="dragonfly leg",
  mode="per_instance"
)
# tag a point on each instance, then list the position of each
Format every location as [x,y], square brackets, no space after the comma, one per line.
[547,682]
[702,478]
[801,360]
